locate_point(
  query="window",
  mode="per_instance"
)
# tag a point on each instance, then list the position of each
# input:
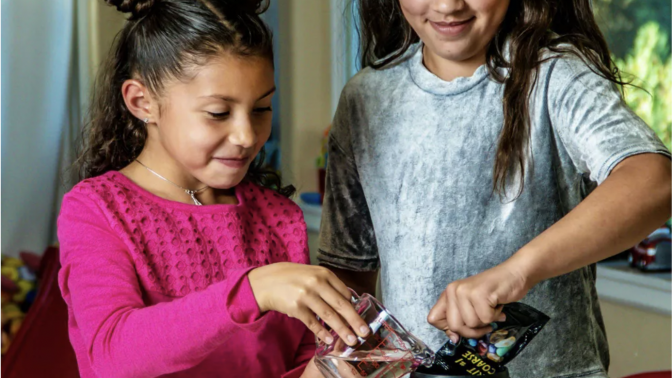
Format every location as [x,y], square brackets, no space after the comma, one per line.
[344,46]
[638,36]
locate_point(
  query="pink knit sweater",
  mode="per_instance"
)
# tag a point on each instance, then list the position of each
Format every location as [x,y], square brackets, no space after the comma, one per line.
[159,288]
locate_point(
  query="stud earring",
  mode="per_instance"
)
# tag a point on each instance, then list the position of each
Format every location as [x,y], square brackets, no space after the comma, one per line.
[146,120]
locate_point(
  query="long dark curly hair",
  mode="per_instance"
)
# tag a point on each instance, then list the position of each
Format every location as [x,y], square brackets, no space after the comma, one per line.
[561,26]
[160,40]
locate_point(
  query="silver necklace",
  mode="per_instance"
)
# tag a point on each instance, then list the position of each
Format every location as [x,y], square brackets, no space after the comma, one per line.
[191,193]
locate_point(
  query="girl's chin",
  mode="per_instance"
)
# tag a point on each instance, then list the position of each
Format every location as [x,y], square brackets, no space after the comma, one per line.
[225,182]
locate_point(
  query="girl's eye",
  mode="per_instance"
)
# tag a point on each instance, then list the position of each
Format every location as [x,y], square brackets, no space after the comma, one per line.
[219,115]
[263,110]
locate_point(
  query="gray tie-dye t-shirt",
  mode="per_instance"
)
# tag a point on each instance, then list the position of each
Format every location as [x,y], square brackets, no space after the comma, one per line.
[409,190]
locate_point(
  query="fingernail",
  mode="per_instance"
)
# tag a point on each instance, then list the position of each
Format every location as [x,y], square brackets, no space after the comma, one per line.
[502,317]
[364,330]
[329,339]
[454,339]
[352,339]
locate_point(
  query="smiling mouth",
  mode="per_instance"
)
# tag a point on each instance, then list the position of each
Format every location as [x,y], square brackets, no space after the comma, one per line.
[453,28]
[454,23]
[233,162]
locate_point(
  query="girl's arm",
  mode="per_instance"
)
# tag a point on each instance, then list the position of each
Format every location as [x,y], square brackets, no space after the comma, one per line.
[606,141]
[122,336]
[631,203]
[126,338]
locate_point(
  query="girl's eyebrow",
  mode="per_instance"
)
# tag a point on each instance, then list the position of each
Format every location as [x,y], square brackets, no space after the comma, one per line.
[235,100]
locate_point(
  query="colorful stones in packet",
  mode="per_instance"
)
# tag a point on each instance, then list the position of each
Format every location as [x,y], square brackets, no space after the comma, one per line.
[488,355]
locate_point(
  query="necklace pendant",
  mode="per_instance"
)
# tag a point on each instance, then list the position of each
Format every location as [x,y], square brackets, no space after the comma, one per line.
[192,193]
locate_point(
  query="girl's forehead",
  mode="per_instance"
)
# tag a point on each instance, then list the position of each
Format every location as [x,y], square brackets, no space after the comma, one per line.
[227,73]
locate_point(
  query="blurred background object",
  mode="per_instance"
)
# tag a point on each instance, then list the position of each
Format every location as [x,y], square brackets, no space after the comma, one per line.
[40,346]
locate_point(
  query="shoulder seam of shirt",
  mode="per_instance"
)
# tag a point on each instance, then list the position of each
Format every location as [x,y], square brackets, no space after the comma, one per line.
[348,158]
[575,75]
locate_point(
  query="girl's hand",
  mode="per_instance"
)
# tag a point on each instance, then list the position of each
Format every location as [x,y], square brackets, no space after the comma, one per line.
[467,307]
[343,368]
[304,291]
[311,370]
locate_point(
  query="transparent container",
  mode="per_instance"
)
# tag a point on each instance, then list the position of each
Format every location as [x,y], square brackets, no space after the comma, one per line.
[388,351]
[504,373]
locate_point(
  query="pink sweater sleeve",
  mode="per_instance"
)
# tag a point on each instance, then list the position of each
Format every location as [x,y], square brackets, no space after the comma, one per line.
[123,337]
[305,352]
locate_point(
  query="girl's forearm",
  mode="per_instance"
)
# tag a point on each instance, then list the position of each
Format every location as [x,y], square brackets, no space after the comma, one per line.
[631,203]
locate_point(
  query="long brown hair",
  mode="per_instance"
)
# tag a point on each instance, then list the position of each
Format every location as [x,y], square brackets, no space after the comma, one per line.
[163,39]
[529,26]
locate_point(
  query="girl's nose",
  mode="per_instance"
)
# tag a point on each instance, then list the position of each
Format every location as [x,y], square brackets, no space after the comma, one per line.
[447,6]
[242,133]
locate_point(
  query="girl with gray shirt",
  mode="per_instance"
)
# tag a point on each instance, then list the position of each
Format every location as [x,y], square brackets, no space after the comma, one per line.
[485,155]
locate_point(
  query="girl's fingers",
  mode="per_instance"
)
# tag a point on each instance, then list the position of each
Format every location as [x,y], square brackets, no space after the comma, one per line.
[486,314]
[337,284]
[499,315]
[453,316]
[340,346]
[468,313]
[474,333]
[437,315]
[441,324]
[308,318]
[456,323]
[343,307]
[454,337]
[332,318]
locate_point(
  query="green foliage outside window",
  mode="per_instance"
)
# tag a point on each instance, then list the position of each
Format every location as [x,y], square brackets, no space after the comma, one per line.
[638,36]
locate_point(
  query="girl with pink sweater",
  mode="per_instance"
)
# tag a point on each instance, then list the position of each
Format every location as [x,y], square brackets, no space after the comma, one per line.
[181,256]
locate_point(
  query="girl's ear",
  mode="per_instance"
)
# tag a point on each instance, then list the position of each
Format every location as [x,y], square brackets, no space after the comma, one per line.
[137,99]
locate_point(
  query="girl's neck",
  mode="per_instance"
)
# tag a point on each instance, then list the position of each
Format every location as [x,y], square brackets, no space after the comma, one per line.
[163,164]
[449,70]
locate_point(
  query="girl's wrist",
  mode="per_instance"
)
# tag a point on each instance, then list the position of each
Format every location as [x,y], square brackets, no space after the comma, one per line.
[255,277]
[526,265]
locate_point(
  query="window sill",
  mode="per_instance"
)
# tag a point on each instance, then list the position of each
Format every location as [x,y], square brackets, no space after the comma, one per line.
[618,282]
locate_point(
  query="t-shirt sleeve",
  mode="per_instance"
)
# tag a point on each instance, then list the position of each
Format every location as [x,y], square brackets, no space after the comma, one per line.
[347,237]
[595,125]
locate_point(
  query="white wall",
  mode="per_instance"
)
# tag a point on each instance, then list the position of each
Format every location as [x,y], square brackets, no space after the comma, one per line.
[36,49]
[639,340]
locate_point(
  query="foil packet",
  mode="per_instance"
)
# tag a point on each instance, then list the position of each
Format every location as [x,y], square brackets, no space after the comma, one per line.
[488,354]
